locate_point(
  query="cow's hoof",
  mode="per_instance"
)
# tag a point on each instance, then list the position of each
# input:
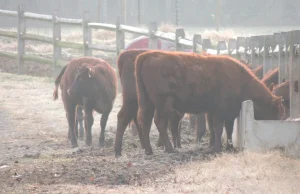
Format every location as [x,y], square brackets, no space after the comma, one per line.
[101,144]
[74,145]
[118,154]
[148,152]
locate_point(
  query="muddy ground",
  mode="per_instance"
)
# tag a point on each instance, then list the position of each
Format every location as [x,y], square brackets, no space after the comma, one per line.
[36,157]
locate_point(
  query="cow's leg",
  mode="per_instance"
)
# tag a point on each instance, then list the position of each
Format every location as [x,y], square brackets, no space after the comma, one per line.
[175,129]
[161,119]
[140,132]
[88,123]
[160,142]
[211,129]
[145,117]
[229,129]
[125,115]
[179,133]
[218,129]
[79,116]
[192,118]
[133,126]
[200,126]
[103,121]
[70,109]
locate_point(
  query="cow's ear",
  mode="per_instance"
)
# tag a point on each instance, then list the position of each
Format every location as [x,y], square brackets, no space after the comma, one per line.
[91,72]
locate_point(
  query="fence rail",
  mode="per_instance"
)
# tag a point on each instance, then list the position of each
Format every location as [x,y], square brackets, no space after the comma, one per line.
[21,35]
[276,50]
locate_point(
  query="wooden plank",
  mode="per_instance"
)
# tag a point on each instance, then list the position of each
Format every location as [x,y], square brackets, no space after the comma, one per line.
[240,46]
[197,40]
[261,40]
[9,34]
[153,40]
[102,48]
[56,34]
[206,44]
[68,21]
[110,27]
[8,13]
[221,46]
[267,62]
[87,35]
[45,39]
[34,58]
[12,55]
[40,17]
[120,37]
[281,59]
[179,34]
[165,36]
[21,30]
[66,44]
[294,63]
[231,46]
[254,56]
[134,30]
[286,36]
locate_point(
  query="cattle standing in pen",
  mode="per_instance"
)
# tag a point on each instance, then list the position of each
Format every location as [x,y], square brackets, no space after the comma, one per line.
[193,83]
[129,107]
[91,83]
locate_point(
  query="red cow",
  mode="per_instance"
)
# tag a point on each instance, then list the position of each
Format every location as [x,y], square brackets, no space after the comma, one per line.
[129,107]
[193,83]
[91,83]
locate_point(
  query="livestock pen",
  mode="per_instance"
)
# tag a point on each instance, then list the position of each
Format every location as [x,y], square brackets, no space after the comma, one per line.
[36,157]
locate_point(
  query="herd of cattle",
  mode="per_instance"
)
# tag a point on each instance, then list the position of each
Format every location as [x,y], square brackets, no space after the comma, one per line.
[165,85]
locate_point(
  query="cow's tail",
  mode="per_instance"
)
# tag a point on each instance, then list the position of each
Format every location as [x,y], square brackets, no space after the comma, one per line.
[143,99]
[57,82]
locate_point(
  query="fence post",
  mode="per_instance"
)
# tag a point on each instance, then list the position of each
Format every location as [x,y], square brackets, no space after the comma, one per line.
[21,42]
[286,36]
[179,33]
[294,63]
[120,37]
[274,55]
[206,44]
[261,40]
[56,36]
[240,41]
[281,60]
[221,46]
[153,41]
[87,34]
[197,39]
[267,62]
[231,46]
[247,48]
[254,55]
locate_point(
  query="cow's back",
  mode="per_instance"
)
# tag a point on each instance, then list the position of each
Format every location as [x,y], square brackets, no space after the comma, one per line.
[126,72]
[188,76]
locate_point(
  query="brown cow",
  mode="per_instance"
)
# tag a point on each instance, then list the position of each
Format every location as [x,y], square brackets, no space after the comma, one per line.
[91,83]
[192,83]
[283,90]
[129,107]
[271,77]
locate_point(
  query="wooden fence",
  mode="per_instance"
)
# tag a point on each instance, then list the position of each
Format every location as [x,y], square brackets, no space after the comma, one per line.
[87,45]
[276,50]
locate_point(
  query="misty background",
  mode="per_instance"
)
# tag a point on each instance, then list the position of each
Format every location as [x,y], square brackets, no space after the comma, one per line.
[191,12]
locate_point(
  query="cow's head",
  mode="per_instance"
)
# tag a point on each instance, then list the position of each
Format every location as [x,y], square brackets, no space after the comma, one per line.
[82,80]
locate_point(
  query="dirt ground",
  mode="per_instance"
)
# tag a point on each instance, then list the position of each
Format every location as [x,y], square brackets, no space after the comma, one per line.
[36,157]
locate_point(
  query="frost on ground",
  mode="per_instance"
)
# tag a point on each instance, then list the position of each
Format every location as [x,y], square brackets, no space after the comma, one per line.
[36,156]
